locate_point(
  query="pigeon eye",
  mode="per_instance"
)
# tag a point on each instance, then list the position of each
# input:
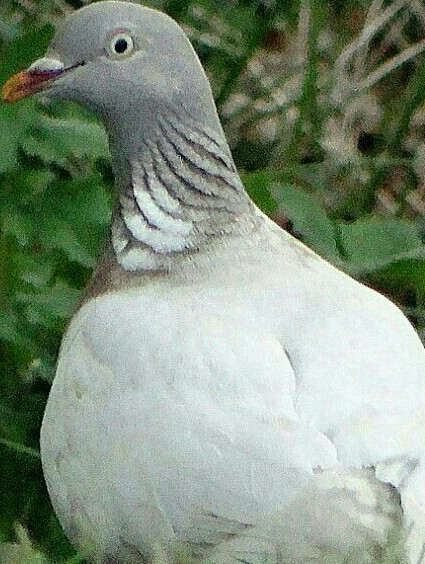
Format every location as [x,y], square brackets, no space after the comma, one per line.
[121,45]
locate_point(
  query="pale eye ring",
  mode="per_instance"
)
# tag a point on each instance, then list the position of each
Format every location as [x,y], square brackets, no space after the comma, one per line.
[121,45]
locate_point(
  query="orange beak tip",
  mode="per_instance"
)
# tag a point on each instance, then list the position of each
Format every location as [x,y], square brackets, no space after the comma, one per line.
[14,89]
[26,83]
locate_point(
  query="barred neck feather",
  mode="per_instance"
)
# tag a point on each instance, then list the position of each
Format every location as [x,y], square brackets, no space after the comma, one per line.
[181,189]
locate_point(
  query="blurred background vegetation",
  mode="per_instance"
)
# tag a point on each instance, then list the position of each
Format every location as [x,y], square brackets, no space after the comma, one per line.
[324,107]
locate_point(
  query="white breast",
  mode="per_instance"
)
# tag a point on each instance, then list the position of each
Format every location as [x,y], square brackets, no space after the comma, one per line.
[199,415]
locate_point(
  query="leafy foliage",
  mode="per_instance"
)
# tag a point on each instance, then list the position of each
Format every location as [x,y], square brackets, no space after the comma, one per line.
[323,104]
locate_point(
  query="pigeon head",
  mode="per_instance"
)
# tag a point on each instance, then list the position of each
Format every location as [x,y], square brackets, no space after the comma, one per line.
[119,59]
[177,186]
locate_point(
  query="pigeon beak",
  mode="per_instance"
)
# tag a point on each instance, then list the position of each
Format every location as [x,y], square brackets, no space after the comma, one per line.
[35,79]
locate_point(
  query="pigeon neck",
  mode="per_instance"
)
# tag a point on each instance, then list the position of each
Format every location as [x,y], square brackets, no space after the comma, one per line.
[176,192]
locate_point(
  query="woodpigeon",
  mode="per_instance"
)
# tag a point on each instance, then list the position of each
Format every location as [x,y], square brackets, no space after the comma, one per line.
[221,387]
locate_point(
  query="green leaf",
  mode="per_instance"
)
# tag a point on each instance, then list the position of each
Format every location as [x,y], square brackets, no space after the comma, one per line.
[90,204]
[21,52]
[63,236]
[309,220]
[17,225]
[59,140]
[401,277]
[8,327]
[34,269]
[14,121]
[34,183]
[21,552]
[56,302]
[372,243]
[18,447]
[258,186]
